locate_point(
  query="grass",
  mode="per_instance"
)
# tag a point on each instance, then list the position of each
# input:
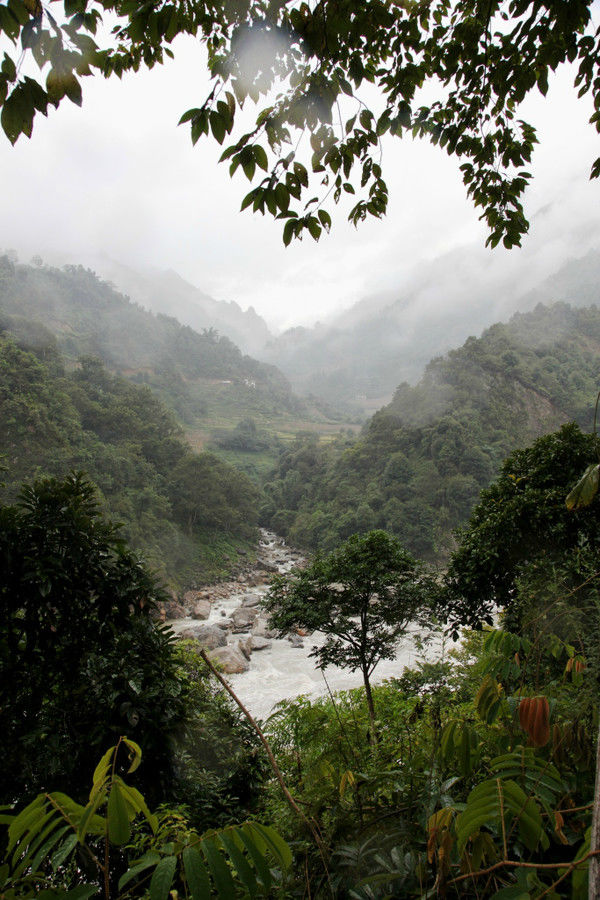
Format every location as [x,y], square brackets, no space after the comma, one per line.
[227,404]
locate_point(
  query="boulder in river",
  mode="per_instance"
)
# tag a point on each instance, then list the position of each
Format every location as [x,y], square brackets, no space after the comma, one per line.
[208,636]
[243,619]
[268,567]
[230,659]
[251,600]
[295,640]
[257,642]
[201,609]
[245,648]
[175,610]
[261,629]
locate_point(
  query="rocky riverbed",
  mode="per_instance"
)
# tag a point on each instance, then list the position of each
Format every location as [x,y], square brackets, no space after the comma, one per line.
[227,621]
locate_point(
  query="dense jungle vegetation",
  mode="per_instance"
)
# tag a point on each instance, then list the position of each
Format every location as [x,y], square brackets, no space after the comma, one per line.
[420,463]
[187,512]
[470,776]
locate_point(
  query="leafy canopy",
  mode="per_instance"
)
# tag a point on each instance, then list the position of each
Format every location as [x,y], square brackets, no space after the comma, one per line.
[361,597]
[81,658]
[305,65]
[522,520]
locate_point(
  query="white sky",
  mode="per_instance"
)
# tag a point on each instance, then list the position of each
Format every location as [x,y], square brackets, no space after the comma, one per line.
[117,177]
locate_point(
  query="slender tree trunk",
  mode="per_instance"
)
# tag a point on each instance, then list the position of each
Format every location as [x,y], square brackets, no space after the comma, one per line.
[370,707]
[594,873]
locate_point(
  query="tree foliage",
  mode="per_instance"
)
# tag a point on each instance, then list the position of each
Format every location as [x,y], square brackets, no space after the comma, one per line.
[452,74]
[522,523]
[362,597]
[132,447]
[81,658]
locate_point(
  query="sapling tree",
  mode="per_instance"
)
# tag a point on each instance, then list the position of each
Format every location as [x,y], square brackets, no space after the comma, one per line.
[362,598]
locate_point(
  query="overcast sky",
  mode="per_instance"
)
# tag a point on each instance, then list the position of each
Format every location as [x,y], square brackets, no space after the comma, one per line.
[119,178]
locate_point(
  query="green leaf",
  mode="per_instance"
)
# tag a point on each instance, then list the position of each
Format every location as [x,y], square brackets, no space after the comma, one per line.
[261,157]
[276,844]
[17,115]
[187,116]
[89,821]
[282,196]
[325,219]
[314,228]
[366,117]
[199,126]
[217,126]
[241,864]
[64,851]
[138,804]
[102,769]
[196,874]
[136,752]
[218,868]
[25,819]
[249,167]
[247,834]
[248,199]
[162,878]
[289,231]
[82,891]
[148,860]
[585,490]
[73,90]
[484,808]
[43,851]
[119,828]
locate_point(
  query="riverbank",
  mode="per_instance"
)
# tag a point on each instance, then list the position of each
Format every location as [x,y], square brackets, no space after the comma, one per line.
[263,669]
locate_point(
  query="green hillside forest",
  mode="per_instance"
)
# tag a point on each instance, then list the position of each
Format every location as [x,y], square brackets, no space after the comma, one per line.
[202,376]
[420,462]
[187,512]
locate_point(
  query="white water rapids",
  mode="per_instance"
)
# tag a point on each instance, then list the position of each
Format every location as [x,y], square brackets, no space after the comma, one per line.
[283,671]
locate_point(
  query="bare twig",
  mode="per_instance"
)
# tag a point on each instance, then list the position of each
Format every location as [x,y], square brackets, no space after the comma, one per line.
[516,864]
[276,770]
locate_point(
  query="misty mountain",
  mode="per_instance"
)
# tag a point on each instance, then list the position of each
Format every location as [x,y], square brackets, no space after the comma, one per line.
[90,318]
[360,355]
[168,293]
[422,460]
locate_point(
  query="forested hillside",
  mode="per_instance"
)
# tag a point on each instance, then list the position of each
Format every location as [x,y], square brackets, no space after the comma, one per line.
[201,376]
[89,317]
[421,462]
[187,512]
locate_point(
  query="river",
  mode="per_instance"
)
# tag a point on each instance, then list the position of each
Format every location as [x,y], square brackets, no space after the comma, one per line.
[284,671]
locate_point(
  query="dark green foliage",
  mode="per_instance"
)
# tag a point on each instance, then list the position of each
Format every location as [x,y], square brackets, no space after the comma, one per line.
[132,448]
[521,523]
[207,493]
[82,659]
[420,463]
[452,786]
[56,847]
[245,436]
[220,765]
